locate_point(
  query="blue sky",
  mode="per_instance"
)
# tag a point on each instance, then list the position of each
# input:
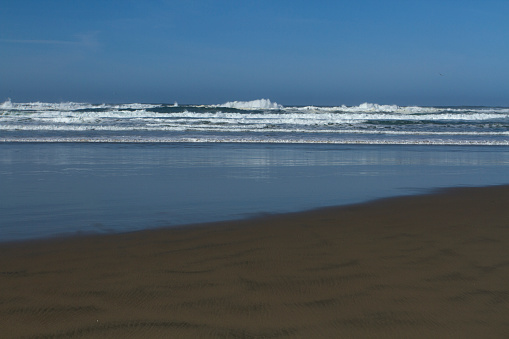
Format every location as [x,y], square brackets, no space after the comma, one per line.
[294,52]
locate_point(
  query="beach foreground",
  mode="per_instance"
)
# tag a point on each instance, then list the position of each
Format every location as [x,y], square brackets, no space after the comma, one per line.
[434,265]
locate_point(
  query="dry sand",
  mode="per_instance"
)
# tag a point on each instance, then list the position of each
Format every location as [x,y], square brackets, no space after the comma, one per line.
[431,266]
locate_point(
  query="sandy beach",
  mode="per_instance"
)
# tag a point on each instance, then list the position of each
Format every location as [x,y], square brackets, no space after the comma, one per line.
[428,266]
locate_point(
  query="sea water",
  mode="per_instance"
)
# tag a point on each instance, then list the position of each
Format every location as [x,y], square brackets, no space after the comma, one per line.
[258,121]
[74,168]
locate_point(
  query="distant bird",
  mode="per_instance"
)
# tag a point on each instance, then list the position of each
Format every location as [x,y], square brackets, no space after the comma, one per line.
[441,74]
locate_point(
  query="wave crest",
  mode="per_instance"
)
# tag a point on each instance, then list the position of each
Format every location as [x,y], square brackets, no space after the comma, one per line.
[253,104]
[7,104]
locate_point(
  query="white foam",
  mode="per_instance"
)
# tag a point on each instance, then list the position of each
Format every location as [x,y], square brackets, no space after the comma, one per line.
[63,106]
[289,140]
[254,104]
[286,117]
[372,108]
[69,106]
[376,108]
[134,106]
[340,124]
[7,104]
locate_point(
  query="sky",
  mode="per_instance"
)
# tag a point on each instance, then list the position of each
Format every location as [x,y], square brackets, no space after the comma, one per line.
[428,53]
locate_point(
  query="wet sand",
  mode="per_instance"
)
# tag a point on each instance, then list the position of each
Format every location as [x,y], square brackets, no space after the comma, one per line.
[429,266]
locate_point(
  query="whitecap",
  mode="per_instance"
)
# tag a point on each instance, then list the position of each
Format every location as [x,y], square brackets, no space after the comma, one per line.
[254,104]
[7,104]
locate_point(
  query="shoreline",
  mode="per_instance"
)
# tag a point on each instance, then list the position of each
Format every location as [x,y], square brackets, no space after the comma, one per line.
[434,264]
[253,218]
[197,141]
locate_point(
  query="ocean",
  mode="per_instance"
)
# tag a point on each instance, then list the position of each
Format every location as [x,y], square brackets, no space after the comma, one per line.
[77,168]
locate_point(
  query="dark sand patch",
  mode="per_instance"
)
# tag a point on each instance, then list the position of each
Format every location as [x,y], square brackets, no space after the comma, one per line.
[425,266]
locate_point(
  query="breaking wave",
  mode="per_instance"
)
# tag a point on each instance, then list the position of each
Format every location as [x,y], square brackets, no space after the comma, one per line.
[253,105]
[257,121]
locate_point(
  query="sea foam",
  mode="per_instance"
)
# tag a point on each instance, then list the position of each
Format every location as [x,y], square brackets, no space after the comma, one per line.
[7,104]
[267,120]
[254,104]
